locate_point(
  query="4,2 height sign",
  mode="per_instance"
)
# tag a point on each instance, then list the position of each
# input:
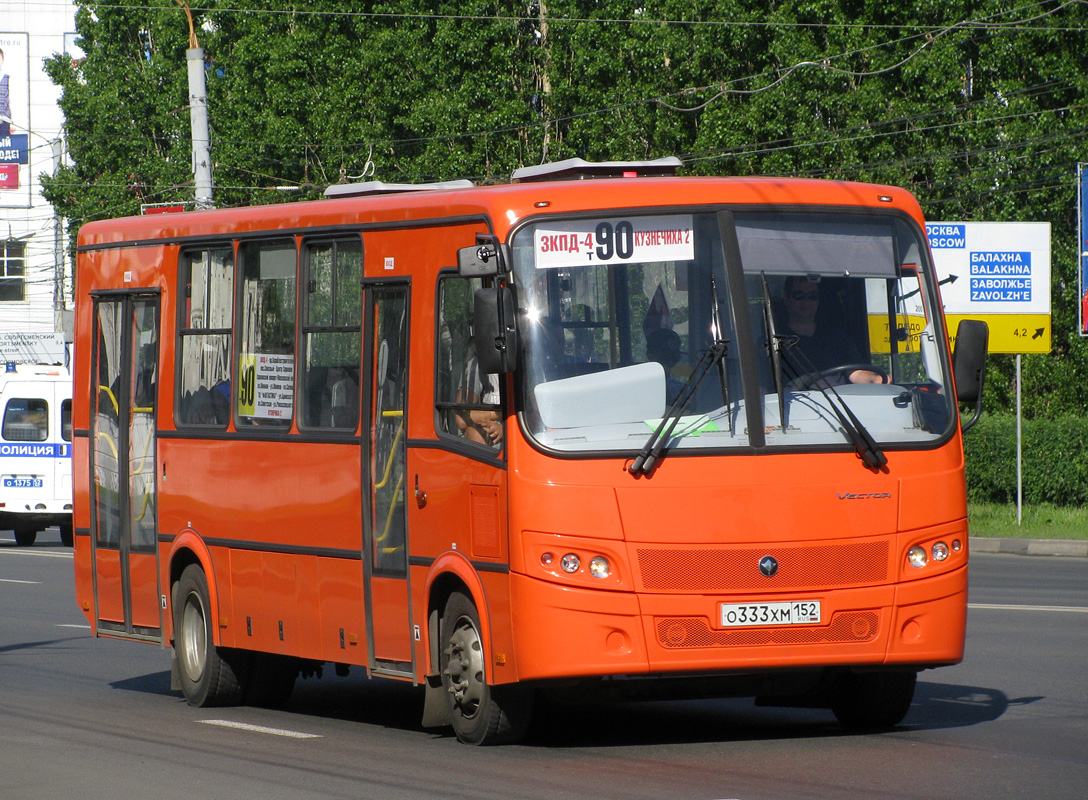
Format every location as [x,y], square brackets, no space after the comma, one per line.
[998,272]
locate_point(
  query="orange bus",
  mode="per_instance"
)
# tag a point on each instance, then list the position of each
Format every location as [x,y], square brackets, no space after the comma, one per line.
[602,427]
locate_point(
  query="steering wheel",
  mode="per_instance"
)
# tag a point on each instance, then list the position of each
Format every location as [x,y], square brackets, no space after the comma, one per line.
[837,376]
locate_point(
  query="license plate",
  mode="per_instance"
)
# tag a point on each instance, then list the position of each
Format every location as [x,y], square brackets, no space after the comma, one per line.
[802,612]
[22,483]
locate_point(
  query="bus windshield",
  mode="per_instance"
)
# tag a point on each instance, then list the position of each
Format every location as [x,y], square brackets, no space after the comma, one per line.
[828,321]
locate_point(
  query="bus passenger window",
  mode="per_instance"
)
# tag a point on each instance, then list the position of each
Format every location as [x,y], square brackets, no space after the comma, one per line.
[331,334]
[26,420]
[468,403]
[207,291]
[265,388]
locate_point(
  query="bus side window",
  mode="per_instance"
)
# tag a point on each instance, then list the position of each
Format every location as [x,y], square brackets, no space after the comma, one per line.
[265,389]
[207,291]
[26,420]
[331,334]
[467,405]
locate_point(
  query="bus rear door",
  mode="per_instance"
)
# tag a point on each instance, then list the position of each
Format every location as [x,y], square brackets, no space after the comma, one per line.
[123,453]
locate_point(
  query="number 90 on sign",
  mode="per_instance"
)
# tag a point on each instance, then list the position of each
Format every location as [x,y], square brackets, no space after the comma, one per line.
[740,615]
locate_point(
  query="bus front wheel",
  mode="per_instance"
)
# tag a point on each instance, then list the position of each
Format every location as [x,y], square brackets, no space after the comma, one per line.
[480,713]
[870,701]
[209,675]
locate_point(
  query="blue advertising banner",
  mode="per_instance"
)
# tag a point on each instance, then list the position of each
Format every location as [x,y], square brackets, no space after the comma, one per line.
[14,148]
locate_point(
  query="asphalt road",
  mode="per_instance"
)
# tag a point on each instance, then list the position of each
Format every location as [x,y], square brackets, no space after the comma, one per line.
[96,718]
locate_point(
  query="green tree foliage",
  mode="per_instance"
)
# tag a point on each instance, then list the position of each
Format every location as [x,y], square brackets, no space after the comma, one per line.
[975,106]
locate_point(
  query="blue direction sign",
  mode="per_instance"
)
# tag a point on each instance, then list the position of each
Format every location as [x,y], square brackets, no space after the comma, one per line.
[1082,244]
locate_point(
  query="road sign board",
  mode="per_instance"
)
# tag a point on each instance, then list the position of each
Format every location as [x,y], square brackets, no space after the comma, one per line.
[998,272]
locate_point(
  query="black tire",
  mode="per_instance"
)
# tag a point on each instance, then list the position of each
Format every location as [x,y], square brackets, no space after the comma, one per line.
[480,714]
[872,701]
[67,537]
[271,680]
[209,675]
[24,536]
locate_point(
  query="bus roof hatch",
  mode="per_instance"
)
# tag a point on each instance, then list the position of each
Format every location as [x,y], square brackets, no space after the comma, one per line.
[578,169]
[378,187]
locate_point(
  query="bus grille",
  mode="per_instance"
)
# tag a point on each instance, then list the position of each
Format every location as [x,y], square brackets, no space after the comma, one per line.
[800,567]
[851,626]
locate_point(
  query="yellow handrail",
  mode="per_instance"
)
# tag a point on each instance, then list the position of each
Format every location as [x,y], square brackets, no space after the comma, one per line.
[393,449]
[385,479]
[113,399]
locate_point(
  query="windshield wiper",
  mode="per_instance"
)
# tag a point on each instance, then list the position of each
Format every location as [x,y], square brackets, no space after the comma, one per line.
[723,371]
[864,444]
[652,451]
[774,348]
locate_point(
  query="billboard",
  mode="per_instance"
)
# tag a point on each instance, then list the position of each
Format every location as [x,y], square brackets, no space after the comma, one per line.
[998,272]
[14,120]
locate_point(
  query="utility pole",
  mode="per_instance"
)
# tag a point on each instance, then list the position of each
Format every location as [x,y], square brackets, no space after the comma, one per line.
[59,299]
[198,117]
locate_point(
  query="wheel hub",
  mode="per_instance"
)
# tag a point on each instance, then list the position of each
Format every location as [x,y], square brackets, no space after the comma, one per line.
[465,668]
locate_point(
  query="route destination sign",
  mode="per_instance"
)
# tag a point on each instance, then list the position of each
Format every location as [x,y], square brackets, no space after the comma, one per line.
[998,272]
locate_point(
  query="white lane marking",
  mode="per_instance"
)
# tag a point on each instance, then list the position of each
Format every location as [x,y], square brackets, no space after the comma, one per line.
[244,726]
[1000,607]
[12,580]
[27,551]
[69,625]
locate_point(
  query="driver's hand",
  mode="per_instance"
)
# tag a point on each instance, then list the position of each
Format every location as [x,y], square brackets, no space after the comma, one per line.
[865,376]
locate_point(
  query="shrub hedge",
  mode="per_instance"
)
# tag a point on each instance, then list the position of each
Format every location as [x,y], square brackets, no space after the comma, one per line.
[1054,460]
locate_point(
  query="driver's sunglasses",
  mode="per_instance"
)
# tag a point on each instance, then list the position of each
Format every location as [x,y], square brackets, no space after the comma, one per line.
[798,296]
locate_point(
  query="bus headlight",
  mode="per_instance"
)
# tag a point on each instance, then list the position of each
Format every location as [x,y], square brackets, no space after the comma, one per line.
[570,563]
[940,551]
[917,556]
[599,567]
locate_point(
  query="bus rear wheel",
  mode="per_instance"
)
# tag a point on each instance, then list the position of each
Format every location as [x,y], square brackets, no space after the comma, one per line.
[872,701]
[480,713]
[209,675]
[25,536]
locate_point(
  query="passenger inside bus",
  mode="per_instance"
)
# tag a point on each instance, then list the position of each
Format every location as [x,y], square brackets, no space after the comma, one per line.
[481,425]
[812,346]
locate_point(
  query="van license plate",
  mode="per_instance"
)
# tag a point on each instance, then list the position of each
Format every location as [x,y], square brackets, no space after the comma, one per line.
[22,483]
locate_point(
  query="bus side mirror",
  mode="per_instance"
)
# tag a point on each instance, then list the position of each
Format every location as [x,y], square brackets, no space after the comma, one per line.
[969,364]
[494,325]
[483,259]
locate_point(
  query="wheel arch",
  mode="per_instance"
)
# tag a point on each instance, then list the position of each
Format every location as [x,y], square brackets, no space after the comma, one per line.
[450,573]
[188,549]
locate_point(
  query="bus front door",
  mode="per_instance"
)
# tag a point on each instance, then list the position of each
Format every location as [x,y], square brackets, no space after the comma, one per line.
[123,509]
[385,532]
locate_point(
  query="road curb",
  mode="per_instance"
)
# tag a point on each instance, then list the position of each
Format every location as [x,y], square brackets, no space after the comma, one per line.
[1030,547]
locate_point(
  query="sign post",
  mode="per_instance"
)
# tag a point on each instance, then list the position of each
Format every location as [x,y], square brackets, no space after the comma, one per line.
[998,272]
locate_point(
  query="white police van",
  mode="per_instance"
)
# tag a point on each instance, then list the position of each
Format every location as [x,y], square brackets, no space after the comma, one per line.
[35,450]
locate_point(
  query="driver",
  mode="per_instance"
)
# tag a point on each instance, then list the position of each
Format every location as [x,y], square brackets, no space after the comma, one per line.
[815,350]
